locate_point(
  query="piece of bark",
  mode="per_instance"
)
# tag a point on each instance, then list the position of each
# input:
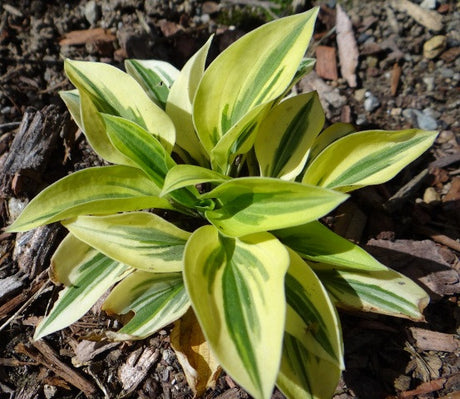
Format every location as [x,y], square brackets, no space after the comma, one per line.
[23,296]
[136,368]
[427,340]
[428,18]
[9,285]
[326,63]
[31,151]
[439,237]
[34,248]
[405,193]
[45,355]
[348,49]
[350,221]
[419,260]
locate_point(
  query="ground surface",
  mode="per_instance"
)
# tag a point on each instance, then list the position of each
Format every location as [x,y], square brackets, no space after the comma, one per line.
[410,223]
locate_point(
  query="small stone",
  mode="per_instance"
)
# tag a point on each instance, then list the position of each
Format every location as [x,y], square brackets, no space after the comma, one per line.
[431,196]
[435,46]
[431,112]
[361,119]
[92,12]
[395,111]
[372,62]
[446,73]
[424,121]
[428,4]
[429,81]
[49,391]
[210,7]
[371,102]
[205,18]
[359,94]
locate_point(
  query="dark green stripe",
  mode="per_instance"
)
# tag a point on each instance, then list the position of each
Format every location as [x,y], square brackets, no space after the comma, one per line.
[236,305]
[297,298]
[292,138]
[297,358]
[366,293]
[373,163]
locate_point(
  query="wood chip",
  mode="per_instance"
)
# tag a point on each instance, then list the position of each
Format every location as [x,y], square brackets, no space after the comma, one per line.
[428,18]
[31,150]
[136,368]
[427,340]
[78,37]
[45,355]
[419,260]
[395,76]
[87,350]
[169,28]
[326,63]
[348,49]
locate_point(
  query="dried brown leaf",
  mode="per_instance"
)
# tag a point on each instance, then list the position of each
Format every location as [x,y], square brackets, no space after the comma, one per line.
[199,364]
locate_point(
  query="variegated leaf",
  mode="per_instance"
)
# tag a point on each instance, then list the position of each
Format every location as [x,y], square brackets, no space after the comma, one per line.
[303,375]
[254,204]
[304,68]
[155,77]
[237,291]
[238,140]
[146,152]
[181,176]
[286,135]
[157,299]
[328,136]
[248,74]
[369,157]
[117,93]
[71,99]
[384,291]
[90,121]
[179,107]
[142,240]
[87,274]
[98,190]
[311,316]
[315,242]
[95,132]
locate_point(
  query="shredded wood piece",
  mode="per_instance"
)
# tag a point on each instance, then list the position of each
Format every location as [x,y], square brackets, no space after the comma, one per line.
[45,355]
[348,49]
[428,18]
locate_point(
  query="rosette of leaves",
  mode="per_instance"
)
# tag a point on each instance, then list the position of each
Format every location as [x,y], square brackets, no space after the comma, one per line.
[238,175]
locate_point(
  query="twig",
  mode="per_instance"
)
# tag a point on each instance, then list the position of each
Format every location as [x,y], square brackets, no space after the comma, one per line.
[45,355]
[440,238]
[8,127]
[396,201]
[40,291]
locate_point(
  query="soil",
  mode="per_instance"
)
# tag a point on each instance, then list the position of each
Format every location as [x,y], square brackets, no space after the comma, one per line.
[410,223]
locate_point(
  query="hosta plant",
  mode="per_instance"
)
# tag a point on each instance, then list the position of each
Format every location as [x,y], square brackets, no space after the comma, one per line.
[217,181]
